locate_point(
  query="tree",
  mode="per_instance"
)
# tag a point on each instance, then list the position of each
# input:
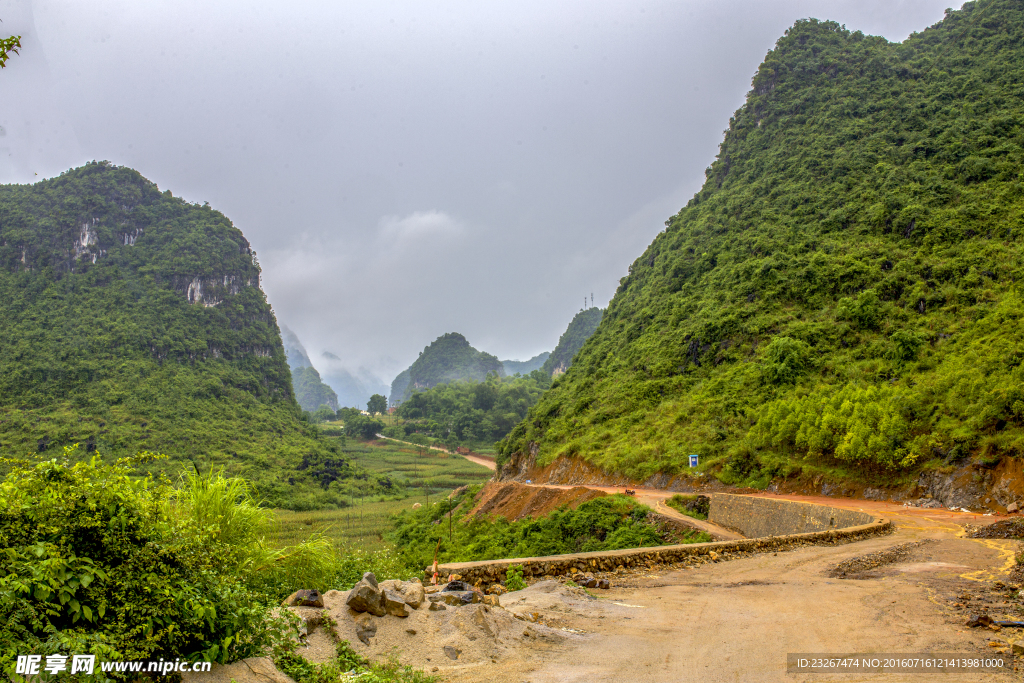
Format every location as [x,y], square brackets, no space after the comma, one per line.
[8,46]
[377,405]
[323,414]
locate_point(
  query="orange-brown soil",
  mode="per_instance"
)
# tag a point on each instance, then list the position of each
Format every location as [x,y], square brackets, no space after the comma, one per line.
[515,501]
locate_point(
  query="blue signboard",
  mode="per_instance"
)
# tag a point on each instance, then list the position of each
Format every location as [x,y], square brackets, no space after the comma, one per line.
[693,460]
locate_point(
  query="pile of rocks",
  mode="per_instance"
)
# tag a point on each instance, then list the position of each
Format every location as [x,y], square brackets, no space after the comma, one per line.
[397,598]
[368,598]
[588,580]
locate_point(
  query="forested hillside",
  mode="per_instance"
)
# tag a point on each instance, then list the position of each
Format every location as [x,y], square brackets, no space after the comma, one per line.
[447,359]
[310,391]
[132,320]
[582,325]
[843,295]
[470,412]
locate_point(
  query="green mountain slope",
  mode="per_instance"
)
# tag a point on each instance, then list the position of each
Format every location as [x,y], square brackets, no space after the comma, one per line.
[399,385]
[448,358]
[842,297]
[132,320]
[582,325]
[310,391]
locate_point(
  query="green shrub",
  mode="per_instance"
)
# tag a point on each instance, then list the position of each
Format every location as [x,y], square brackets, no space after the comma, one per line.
[866,311]
[786,360]
[691,506]
[869,425]
[514,578]
[605,523]
[97,560]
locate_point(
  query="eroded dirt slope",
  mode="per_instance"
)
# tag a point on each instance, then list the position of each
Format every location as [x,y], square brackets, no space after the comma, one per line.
[517,501]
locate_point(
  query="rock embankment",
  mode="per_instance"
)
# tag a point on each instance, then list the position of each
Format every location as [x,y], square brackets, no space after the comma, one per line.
[692,554]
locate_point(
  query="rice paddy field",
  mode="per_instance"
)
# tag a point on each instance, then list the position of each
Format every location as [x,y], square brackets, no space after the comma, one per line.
[418,468]
[426,475]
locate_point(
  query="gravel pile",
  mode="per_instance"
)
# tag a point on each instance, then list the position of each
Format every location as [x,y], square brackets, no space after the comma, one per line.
[854,567]
[436,635]
[1008,528]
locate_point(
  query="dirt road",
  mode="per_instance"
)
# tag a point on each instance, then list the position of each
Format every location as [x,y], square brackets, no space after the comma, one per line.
[474,458]
[737,620]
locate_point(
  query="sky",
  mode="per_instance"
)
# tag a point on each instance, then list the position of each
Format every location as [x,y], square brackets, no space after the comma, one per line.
[404,168]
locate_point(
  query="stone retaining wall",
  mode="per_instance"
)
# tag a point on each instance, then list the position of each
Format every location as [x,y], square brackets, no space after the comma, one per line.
[692,553]
[760,517]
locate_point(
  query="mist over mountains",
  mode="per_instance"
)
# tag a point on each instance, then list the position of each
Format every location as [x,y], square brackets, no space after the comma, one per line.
[351,389]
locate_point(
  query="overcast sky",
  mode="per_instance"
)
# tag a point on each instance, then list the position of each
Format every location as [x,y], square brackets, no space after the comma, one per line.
[408,168]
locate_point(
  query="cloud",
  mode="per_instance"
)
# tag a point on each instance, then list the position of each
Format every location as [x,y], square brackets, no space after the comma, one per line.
[419,224]
[407,169]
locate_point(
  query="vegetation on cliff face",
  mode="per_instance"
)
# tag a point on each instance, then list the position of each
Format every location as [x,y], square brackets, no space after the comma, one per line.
[133,320]
[448,358]
[310,391]
[843,295]
[579,330]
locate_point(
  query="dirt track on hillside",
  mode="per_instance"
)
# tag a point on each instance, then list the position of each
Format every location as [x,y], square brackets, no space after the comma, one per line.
[737,620]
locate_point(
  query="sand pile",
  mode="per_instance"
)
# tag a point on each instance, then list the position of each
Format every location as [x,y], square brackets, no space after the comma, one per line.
[453,637]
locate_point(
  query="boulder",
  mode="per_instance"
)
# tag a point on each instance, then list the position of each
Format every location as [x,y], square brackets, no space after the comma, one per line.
[395,605]
[365,597]
[366,628]
[369,578]
[457,586]
[304,598]
[452,652]
[590,583]
[604,584]
[413,594]
[454,599]
[976,620]
[1012,507]
[497,589]
[437,606]
[492,600]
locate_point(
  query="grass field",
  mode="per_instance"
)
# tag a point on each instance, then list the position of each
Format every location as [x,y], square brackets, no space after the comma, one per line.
[417,468]
[426,475]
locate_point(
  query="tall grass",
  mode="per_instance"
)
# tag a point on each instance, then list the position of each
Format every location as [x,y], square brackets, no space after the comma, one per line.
[226,511]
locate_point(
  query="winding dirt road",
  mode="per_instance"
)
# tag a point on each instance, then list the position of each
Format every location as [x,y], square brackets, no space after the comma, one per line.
[738,620]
